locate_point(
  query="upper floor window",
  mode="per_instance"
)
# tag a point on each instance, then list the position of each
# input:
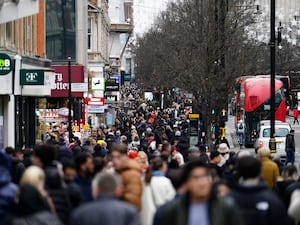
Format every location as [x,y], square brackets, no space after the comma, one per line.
[90,33]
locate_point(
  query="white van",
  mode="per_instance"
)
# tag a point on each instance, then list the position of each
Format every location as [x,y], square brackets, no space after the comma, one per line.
[263,136]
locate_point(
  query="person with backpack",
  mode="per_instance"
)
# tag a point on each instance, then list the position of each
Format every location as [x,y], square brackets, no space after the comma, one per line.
[241,133]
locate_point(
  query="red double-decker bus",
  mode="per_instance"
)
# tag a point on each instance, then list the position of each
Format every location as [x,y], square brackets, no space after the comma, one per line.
[255,104]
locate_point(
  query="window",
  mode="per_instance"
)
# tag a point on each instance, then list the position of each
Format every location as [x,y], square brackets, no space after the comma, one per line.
[279,132]
[90,33]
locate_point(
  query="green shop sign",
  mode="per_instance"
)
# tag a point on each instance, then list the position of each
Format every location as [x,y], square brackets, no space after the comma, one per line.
[6,64]
[31,77]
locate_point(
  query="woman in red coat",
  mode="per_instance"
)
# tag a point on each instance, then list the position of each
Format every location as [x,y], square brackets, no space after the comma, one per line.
[296,115]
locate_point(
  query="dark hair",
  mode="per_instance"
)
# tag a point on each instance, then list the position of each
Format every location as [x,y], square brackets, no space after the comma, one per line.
[69,164]
[99,163]
[176,177]
[214,154]
[46,153]
[248,167]
[190,166]
[10,151]
[165,146]
[80,159]
[155,164]
[118,147]
[289,171]
[292,131]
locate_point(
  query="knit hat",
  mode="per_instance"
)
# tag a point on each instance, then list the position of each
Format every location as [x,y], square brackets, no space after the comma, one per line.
[264,152]
[223,148]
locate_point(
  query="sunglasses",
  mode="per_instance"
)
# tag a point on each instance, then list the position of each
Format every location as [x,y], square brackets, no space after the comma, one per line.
[224,153]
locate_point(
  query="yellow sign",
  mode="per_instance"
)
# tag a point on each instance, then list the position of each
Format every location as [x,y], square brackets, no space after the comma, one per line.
[194,116]
[86,126]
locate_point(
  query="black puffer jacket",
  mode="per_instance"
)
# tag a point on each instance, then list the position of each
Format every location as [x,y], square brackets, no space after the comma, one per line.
[58,193]
[259,205]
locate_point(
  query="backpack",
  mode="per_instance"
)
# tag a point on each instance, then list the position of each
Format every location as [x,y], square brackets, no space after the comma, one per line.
[241,126]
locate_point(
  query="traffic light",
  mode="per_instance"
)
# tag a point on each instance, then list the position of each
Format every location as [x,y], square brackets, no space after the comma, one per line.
[213,111]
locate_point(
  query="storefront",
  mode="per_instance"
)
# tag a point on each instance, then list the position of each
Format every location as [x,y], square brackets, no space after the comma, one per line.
[53,111]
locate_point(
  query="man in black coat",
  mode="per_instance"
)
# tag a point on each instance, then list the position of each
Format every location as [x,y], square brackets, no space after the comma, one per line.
[258,204]
[290,148]
[107,209]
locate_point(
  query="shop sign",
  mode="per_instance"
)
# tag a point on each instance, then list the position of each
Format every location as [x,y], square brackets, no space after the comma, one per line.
[6,64]
[116,77]
[111,85]
[96,101]
[31,77]
[95,109]
[59,83]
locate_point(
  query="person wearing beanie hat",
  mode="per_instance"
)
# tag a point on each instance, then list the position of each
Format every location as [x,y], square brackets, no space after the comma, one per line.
[269,169]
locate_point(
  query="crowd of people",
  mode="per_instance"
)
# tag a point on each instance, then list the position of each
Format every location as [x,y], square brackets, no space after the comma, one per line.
[143,171]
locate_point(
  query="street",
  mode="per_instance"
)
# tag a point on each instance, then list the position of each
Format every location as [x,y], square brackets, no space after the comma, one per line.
[235,146]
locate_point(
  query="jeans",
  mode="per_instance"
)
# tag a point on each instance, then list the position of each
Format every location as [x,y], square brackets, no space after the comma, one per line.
[290,157]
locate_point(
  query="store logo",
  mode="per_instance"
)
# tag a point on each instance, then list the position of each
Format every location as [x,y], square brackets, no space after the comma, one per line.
[31,77]
[6,64]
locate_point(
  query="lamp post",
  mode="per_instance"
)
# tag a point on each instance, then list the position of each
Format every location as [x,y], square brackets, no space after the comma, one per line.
[272,142]
[69,100]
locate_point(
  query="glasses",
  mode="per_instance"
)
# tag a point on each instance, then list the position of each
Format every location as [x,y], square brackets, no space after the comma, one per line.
[224,153]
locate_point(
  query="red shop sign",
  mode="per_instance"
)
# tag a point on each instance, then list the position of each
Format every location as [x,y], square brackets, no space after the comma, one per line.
[60,85]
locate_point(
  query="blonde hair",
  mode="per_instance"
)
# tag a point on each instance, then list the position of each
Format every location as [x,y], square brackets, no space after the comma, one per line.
[35,177]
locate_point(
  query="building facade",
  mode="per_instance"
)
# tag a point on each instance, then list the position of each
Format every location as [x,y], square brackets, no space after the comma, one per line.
[21,40]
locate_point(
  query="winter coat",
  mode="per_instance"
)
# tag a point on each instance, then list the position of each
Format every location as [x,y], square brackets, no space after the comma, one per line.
[259,205]
[131,174]
[17,169]
[158,192]
[8,190]
[33,209]
[294,208]
[290,143]
[39,218]
[281,189]
[63,152]
[220,212]
[295,113]
[269,171]
[106,210]
[59,193]
[84,185]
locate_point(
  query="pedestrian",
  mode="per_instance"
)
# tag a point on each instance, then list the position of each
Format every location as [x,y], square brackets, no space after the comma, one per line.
[290,148]
[258,204]
[296,115]
[85,168]
[8,190]
[241,133]
[269,169]
[34,205]
[198,205]
[106,209]
[130,172]
[294,207]
[158,189]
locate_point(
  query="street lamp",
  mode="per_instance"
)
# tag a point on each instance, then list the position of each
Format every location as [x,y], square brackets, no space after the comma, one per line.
[272,142]
[69,100]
